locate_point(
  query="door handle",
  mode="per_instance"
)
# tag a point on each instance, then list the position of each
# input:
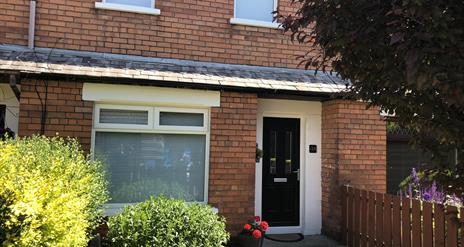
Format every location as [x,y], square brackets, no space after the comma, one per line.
[297,174]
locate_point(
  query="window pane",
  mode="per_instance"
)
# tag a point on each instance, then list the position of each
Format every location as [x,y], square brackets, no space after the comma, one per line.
[144,165]
[260,10]
[181,119]
[116,116]
[140,3]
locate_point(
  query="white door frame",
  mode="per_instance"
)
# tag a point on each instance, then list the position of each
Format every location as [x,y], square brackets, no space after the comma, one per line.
[309,114]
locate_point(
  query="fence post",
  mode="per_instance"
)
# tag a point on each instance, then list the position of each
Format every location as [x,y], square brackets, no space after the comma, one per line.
[451,226]
[350,217]
[344,229]
[461,224]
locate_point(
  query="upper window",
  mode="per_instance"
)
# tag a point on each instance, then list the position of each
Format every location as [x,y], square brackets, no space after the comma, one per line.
[258,10]
[135,6]
[256,13]
[150,151]
[139,3]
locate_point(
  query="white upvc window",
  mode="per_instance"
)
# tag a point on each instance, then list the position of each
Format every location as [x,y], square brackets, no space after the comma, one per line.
[150,151]
[255,13]
[135,6]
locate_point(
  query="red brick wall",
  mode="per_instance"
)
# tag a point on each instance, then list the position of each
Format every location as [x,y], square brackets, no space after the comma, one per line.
[353,152]
[67,113]
[193,30]
[232,158]
[14,21]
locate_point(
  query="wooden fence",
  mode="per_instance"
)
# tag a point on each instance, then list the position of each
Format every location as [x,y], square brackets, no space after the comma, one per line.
[375,219]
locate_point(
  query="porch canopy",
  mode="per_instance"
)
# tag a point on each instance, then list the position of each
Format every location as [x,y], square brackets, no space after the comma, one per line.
[71,65]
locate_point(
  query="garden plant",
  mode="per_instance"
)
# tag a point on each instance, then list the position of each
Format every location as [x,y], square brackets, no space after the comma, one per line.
[161,221]
[51,193]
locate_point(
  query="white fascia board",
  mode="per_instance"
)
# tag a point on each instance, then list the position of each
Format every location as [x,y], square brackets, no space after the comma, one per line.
[148,95]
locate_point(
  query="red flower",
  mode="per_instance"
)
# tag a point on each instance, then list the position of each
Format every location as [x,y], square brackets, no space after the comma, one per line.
[256,234]
[264,225]
[257,219]
[247,227]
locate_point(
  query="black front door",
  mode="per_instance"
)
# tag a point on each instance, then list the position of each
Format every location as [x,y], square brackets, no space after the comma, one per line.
[281,167]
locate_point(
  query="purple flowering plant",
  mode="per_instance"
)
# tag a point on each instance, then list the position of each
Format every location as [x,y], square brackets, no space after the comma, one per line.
[422,188]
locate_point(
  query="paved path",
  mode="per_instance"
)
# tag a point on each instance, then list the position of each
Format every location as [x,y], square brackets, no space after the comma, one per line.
[309,241]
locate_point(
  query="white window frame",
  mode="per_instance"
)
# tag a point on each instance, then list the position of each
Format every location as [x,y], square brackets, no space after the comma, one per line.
[99,125]
[128,8]
[114,208]
[158,110]
[256,23]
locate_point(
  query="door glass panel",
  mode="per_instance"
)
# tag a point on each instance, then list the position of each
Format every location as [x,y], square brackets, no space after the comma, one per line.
[288,152]
[273,153]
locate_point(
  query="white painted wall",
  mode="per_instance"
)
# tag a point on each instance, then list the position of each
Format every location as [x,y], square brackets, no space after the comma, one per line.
[309,113]
[8,98]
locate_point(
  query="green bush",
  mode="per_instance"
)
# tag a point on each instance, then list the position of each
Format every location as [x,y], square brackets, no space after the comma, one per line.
[167,222]
[51,193]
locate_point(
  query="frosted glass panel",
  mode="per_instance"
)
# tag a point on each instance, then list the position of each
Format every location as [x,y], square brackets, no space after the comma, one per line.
[181,119]
[116,116]
[140,3]
[260,10]
[144,165]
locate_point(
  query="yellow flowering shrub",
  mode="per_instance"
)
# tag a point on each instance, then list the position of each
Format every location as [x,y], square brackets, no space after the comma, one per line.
[51,193]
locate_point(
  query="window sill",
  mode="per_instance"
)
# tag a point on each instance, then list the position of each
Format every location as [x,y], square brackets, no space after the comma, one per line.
[127,8]
[254,23]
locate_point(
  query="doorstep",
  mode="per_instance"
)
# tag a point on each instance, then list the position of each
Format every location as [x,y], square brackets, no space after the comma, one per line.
[308,241]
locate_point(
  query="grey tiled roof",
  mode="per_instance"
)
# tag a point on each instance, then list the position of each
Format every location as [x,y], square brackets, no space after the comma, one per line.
[101,65]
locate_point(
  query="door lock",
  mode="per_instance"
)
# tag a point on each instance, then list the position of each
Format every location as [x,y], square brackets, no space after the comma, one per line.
[297,174]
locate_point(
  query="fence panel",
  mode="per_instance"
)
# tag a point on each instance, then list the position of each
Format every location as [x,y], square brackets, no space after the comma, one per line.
[406,222]
[439,220]
[427,224]
[364,219]
[387,220]
[374,219]
[396,229]
[378,219]
[371,205]
[451,226]
[416,223]
[357,202]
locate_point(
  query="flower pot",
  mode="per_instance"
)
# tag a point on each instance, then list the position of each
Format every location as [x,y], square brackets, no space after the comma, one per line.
[246,240]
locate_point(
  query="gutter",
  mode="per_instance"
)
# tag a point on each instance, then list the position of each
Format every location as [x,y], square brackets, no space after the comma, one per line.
[31,33]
